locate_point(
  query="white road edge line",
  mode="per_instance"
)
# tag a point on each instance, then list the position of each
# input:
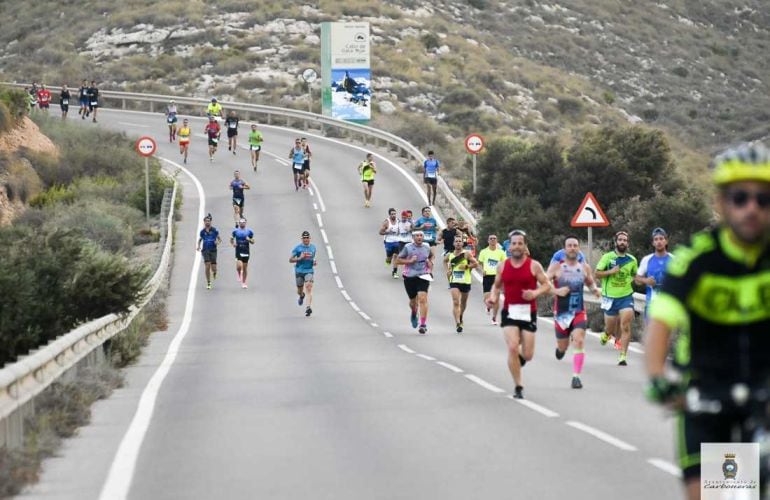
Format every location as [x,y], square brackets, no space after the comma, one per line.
[483,383]
[388,334]
[364,315]
[425,356]
[406,349]
[665,466]
[601,435]
[320,198]
[354,306]
[320,221]
[121,473]
[345,294]
[329,250]
[339,282]
[333,266]
[536,407]
[449,366]
[324,236]
[315,206]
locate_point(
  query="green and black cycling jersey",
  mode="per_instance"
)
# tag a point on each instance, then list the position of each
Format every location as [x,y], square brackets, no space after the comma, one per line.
[716,295]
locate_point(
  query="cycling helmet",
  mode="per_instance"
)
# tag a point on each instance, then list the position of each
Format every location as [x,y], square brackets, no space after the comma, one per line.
[747,162]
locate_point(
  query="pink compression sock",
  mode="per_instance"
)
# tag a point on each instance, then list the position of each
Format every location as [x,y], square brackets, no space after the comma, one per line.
[423,319]
[578,358]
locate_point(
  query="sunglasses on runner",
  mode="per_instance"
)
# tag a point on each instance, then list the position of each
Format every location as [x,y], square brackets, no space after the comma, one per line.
[740,198]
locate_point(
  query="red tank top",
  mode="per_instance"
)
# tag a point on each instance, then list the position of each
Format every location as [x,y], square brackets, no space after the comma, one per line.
[516,280]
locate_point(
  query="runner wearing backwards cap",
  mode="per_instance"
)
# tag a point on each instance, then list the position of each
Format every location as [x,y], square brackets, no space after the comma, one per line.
[653,266]
[303,256]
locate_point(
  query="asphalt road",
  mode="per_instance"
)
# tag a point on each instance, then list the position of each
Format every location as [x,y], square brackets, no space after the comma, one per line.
[258,401]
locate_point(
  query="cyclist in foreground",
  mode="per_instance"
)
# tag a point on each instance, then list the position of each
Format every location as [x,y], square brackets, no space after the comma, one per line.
[716,298]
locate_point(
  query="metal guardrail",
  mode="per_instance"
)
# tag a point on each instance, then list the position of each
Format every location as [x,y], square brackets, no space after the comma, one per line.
[24,379]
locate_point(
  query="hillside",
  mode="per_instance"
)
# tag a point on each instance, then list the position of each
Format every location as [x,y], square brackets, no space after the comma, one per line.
[696,69]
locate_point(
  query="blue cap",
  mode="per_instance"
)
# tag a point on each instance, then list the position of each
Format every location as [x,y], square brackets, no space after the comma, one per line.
[659,231]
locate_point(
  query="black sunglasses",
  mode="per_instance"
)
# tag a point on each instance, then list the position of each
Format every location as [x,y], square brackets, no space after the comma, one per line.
[740,198]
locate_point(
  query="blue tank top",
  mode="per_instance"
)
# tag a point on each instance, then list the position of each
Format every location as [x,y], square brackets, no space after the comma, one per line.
[299,155]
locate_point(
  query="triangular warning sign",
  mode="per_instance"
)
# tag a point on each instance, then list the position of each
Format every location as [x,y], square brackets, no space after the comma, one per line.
[590,214]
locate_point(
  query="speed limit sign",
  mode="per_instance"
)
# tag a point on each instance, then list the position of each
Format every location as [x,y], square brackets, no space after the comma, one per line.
[474,143]
[146,146]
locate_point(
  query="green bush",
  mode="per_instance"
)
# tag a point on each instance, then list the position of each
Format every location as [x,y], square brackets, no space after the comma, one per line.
[158,185]
[108,225]
[422,132]
[52,196]
[15,102]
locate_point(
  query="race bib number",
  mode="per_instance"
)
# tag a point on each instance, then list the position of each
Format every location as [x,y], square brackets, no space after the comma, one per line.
[256,148]
[65,101]
[170,119]
[214,140]
[237,201]
[430,175]
[520,312]
[94,103]
[606,303]
[243,254]
[233,125]
[297,166]
[491,263]
[458,275]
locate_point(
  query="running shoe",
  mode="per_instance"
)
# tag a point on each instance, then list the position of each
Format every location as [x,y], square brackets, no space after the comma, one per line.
[622,360]
[576,383]
[394,274]
[560,354]
[211,159]
[301,299]
[308,311]
[522,361]
[494,321]
[618,346]
[208,286]
[604,338]
[233,151]
[255,168]
[228,148]
[518,392]
[423,329]
[184,161]
[459,328]
[244,285]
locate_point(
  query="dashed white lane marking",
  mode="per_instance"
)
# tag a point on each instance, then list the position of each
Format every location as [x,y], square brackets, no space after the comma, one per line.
[339,282]
[320,198]
[607,438]
[320,221]
[315,206]
[129,124]
[324,236]
[333,266]
[345,294]
[483,383]
[665,466]
[536,407]
[450,366]
[425,356]
[354,306]
[374,325]
[121,472]
[364,315]
[406,349]
[388,334]
[310,190]
[329,251]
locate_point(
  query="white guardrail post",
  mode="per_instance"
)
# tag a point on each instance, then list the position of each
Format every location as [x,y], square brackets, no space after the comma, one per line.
[21,381]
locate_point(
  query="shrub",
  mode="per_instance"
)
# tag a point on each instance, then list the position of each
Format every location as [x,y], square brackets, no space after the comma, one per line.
[109,226]
[461,97]
[430,41]
[52,196]
[570,106]
[15,101]
[422,132]
[158,185]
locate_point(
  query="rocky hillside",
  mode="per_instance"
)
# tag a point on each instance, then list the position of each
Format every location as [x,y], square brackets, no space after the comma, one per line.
[697,69]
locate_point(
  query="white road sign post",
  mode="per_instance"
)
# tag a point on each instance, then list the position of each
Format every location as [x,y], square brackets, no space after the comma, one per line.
[146,146]
[474,143]
[589,215]
[309,76]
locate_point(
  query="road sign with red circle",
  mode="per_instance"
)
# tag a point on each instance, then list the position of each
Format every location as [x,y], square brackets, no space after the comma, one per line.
[146,146]
[474,143]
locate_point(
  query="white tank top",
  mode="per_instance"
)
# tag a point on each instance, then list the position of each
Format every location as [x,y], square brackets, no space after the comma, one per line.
[392,232]
[405,231]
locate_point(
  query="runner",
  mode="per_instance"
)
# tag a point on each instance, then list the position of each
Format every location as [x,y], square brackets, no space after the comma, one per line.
[238,185]
[241,238]
[303,256]
[390,230]
[652,268]
[212,131]
[427,224]
[93,100]
[184,139]
[305,162]
[64,101]
[460,262]
[616,270]
[84,101]
[255,145]
[430,176]
[207,245]
[44,98]
[447,238]
[297,157]
[367,169]
[171,119]
[405,227]
[231,124]
[489,258]
[519,277]
[417,259]
[569,313]
[214,109]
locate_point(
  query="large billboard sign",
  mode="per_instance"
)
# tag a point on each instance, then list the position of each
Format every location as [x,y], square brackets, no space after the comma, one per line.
[346,74]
